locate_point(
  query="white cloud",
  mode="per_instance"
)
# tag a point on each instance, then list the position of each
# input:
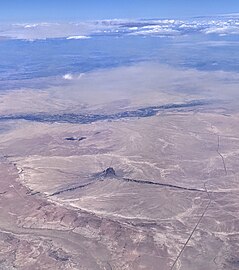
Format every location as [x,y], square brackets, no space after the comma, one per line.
[78,37]
[80,75]
[220,25]
[225,30]
[75,77]
[157,30]
[68,76]
[31,25]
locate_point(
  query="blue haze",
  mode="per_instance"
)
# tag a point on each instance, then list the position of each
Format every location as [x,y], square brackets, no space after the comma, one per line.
[22,60]
[31,51]
[52,10]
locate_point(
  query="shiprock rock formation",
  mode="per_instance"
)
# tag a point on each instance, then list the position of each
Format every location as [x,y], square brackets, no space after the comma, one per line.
[109,172]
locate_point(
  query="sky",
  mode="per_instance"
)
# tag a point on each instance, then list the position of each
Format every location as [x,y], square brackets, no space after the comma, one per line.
[75,10]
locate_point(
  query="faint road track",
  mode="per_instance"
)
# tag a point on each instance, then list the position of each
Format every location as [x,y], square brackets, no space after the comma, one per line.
[194,229]
[218,148]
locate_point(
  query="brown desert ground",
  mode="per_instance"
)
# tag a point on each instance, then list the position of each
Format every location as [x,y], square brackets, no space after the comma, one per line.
[158,192]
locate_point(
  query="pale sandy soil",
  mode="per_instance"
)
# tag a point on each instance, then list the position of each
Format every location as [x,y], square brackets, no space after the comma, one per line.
[173,203]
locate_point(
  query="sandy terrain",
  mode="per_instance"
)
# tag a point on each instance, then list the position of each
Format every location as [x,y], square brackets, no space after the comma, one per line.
[170,201]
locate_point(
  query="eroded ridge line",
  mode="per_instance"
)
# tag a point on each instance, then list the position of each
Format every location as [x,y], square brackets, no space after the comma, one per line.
[194,229]
[69,189]
[222,157]
[147,182]
[142,182]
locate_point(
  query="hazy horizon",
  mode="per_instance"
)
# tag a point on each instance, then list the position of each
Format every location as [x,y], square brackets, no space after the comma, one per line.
[73,10]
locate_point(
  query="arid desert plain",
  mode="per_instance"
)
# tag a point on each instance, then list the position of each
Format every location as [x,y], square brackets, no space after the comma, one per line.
[107,181]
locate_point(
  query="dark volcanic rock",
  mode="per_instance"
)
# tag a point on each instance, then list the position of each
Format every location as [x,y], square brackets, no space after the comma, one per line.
[82,138]
[91,118]
[59,255]
[109,172]
[71,139]
[75,139]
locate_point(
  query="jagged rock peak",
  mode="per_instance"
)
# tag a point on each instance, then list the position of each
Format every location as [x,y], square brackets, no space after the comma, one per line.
[109,172]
